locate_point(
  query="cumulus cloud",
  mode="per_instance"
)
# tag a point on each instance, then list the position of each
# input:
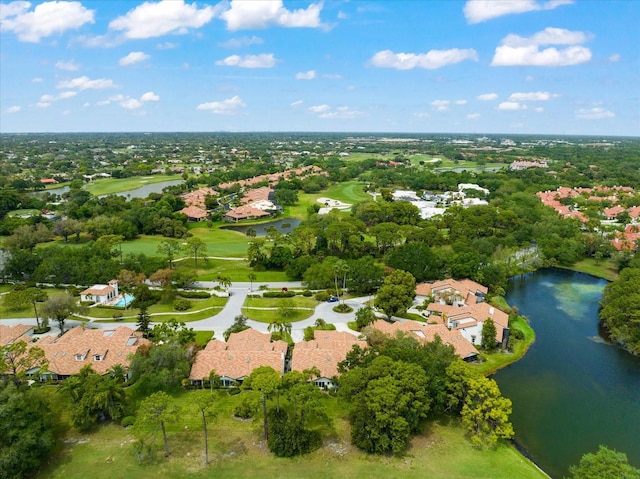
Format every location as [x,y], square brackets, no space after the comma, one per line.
[13,109]
[225,107]
[296,104]
[149,96]
[460,102]
[615,58]
[131,104]
[241,42]
[511,106]
[487,97]
[46,19]
[68,66]
[243,15]
[132,58]
[264,60]
[310,75]
[47,99]
[596,113]
[85,83]
[526,51]
[319,108]
[151,19]
[476,11]
[473,116]
[532,96]
[431,60]
[440,105]
[342,113]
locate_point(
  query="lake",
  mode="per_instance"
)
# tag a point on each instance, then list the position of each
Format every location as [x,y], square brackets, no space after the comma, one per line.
[283,225]
[572,391]
[140,192]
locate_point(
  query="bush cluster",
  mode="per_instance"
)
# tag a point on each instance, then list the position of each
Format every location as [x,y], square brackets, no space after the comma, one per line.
[194,294]
[278,294]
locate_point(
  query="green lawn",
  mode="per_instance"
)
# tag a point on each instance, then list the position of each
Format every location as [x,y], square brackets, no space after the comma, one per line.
[605,269]
[267,315]
[298,302]
[236,451]
[238,271]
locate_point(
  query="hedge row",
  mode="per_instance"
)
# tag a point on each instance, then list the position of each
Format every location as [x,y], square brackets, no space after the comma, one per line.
[278,294]
[194,294]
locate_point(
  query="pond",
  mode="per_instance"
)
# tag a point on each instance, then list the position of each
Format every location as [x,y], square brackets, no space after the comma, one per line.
[283,225]
[572,391]
[140,192]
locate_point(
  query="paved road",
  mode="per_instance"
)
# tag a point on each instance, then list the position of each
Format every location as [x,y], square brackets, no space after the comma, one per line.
[221,321]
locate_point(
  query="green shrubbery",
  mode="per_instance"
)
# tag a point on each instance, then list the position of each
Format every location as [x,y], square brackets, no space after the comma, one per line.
[278,294]
[194,294]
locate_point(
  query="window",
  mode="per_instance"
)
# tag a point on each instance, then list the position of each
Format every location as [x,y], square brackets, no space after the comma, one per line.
[97,357]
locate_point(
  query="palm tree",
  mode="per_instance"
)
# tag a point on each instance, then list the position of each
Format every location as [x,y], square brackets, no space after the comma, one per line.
[118,372]
[252,278]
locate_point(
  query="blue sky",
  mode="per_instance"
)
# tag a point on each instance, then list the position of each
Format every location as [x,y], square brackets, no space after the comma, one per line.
[428,66]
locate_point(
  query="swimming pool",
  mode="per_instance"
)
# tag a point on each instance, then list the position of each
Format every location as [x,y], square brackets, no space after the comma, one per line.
[125,300]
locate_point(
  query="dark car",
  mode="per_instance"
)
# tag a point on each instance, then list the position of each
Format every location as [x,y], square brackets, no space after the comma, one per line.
[333,299]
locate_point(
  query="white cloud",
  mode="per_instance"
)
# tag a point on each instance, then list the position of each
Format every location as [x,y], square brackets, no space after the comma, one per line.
[13,109]
[532,96]
[85,83]
[319,108]
[225,107]
[47,99]
[296,103]
[66,94]
[166,46]
[132,58]
[431,60]
[476,11]
[150,96]
[310,75]
[43,104]
[473,116]
[241,42]
[440,105]
[151,19]
[332,76]
[46,19]
[460,102]
[342,113]
[264,60]
[596,113]
[615,58]
[131,103]
[68,66]
[521,51]
[487,97]
[36,80]
[511,106]
[243,15]
[538,109]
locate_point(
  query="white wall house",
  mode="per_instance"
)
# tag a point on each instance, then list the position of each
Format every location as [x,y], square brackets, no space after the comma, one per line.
[101,293]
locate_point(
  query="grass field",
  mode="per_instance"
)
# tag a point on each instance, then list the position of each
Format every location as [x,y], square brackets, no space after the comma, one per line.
[267,315]
[237,451]
[602,269]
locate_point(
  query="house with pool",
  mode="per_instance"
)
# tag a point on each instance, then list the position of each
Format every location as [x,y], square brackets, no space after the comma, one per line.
[101,293]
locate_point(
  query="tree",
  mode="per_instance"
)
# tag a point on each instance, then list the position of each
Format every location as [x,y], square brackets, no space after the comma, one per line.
[156,411]
[364,317]
[604,464]
[489,335]
[59,308]
[173,331]
[17,359]
[144,321]
[160,367]
[266,381]
[388,402]
[485,413]
[252,277]
[169,248]
[204,401]
[67,227]
[340,270]
[26,431]
[239,324]
[396,295]
[364,275]
[196,247]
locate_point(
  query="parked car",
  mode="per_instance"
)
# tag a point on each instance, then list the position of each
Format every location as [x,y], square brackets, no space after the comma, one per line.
[333,299]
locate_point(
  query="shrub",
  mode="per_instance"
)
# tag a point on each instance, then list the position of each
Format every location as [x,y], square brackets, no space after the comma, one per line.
[127,421]
[309,333]
[117,315]
[181,305]
[343,308]
[307,293]
[278,294]
[87,303]
[108,306]
[322,295]
[194,294]
[245,410]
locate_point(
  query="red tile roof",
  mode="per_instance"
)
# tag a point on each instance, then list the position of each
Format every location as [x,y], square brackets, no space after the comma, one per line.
[324,352]
[9,334]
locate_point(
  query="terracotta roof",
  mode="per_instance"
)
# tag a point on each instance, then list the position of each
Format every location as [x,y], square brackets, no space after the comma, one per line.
[193,212]
[244,212]
[479,312]
[99,290]
[325,351]
[114,346]
[464,287]
[9,334]
[427,333]
[197,197]
[239,356]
